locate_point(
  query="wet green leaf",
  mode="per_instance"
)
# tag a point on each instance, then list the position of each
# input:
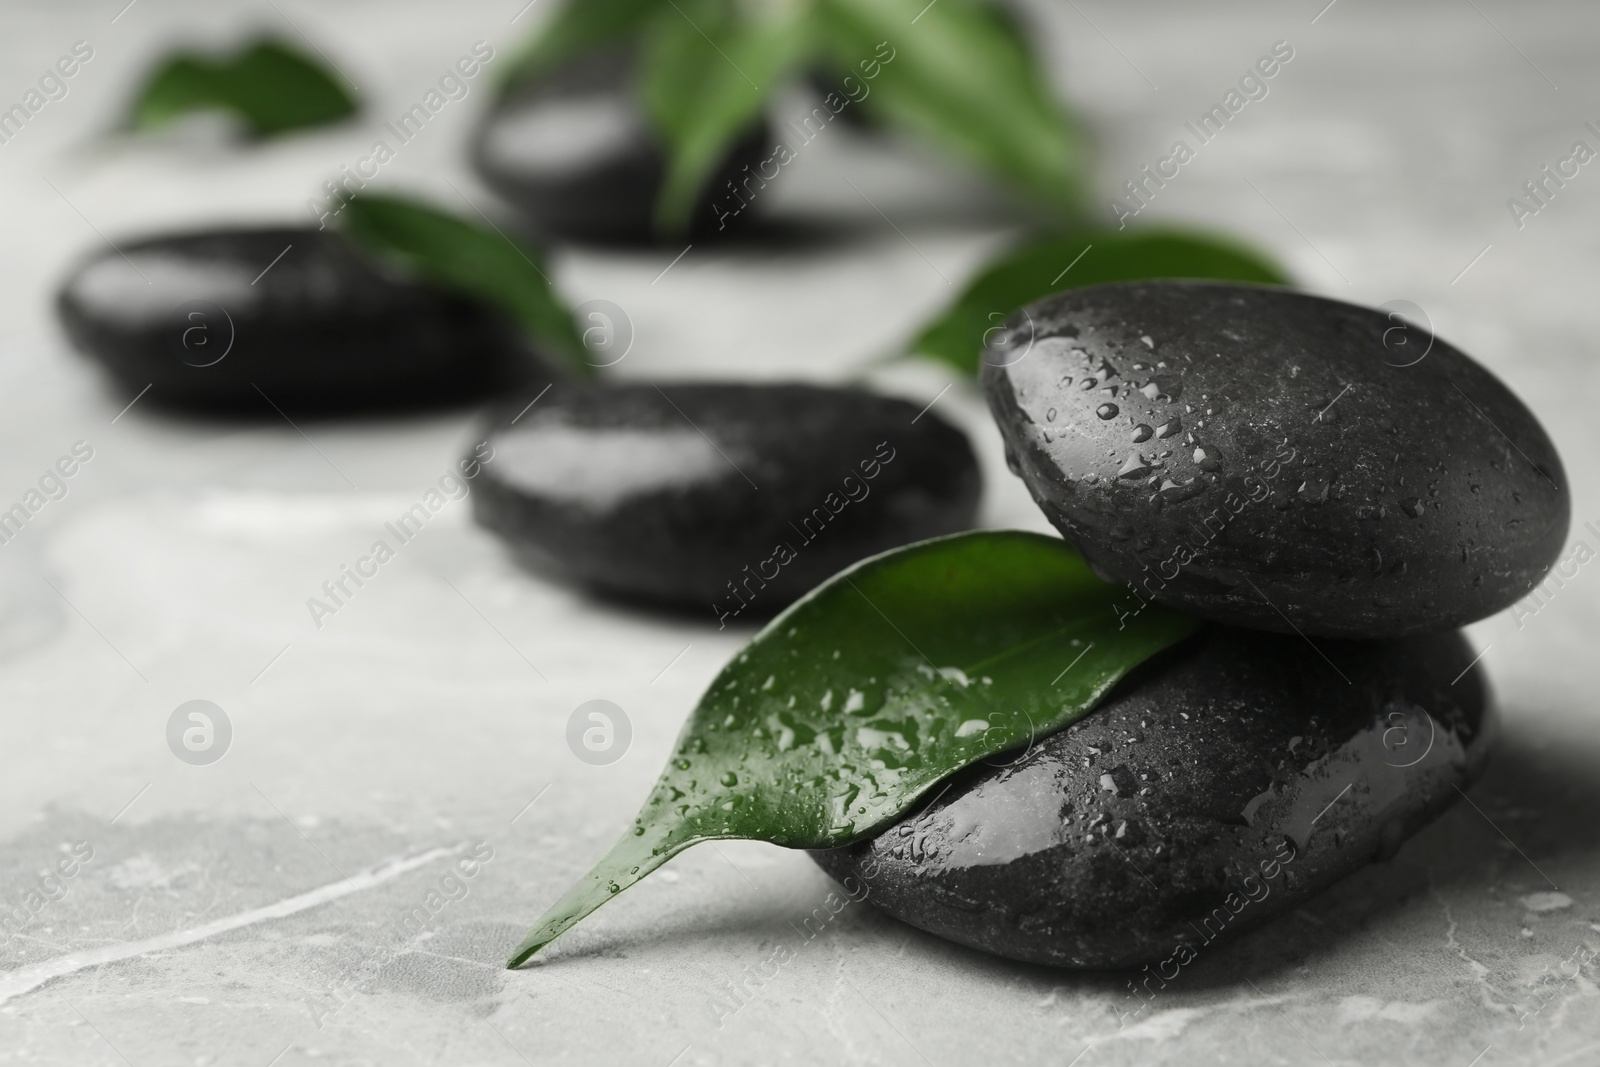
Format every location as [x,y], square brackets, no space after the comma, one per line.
[477,261]
[1036,270]
[706,73]
[955,73]
[883,680]
[270,87]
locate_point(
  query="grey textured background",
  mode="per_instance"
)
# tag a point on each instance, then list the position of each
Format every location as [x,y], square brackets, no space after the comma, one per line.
[246,910]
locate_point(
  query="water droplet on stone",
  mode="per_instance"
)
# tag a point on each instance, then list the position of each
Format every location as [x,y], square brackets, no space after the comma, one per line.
[1171,428]
[1106,411]
[1142,432]
[1136,467]
[1206,458]
[1175,491]
[1412,506]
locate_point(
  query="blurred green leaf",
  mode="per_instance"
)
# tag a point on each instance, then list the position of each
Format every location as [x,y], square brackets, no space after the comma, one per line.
[579,26]
[706,72]
[958,73]
[270,87]
[478,262]
[828,73]
[955,73]
[1036,270]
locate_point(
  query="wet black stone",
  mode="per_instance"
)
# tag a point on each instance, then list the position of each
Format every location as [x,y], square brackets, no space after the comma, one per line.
[323,330]
[1261,774]
[1271,459]
[573,150]
[682,496]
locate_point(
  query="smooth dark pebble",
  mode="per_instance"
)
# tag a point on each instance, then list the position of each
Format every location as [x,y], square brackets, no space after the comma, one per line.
[727,499]
[1307,469]
[1221,784]
[240,320]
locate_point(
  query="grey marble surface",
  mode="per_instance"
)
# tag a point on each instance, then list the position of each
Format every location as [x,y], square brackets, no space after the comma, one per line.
[250,911]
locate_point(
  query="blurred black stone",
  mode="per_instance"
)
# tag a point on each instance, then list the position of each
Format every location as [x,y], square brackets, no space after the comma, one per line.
[573,150]
[216,321]
[722,498]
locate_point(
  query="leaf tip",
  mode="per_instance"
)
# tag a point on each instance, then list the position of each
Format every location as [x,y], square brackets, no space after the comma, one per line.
[536,939]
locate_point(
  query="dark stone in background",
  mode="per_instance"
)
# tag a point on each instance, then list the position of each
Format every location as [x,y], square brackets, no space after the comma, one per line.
[324,330]
[573,150]
[679,496]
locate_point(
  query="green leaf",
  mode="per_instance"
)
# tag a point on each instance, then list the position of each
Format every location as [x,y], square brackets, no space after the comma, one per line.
[1036,270]
[955,74]
[883,680]
[478,262]
[706,75]
[270,87]
[577,27]
[706,72]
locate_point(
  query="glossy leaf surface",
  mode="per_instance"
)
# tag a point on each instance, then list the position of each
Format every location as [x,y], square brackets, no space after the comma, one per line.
[882,681]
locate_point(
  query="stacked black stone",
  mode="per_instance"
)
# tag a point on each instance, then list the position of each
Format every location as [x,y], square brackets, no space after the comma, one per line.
[1336,491]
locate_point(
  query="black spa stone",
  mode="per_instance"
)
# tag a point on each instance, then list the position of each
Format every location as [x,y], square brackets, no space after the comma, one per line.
[228,320]
[574,151]
[1275,460]
[719,498]
[1219,785]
